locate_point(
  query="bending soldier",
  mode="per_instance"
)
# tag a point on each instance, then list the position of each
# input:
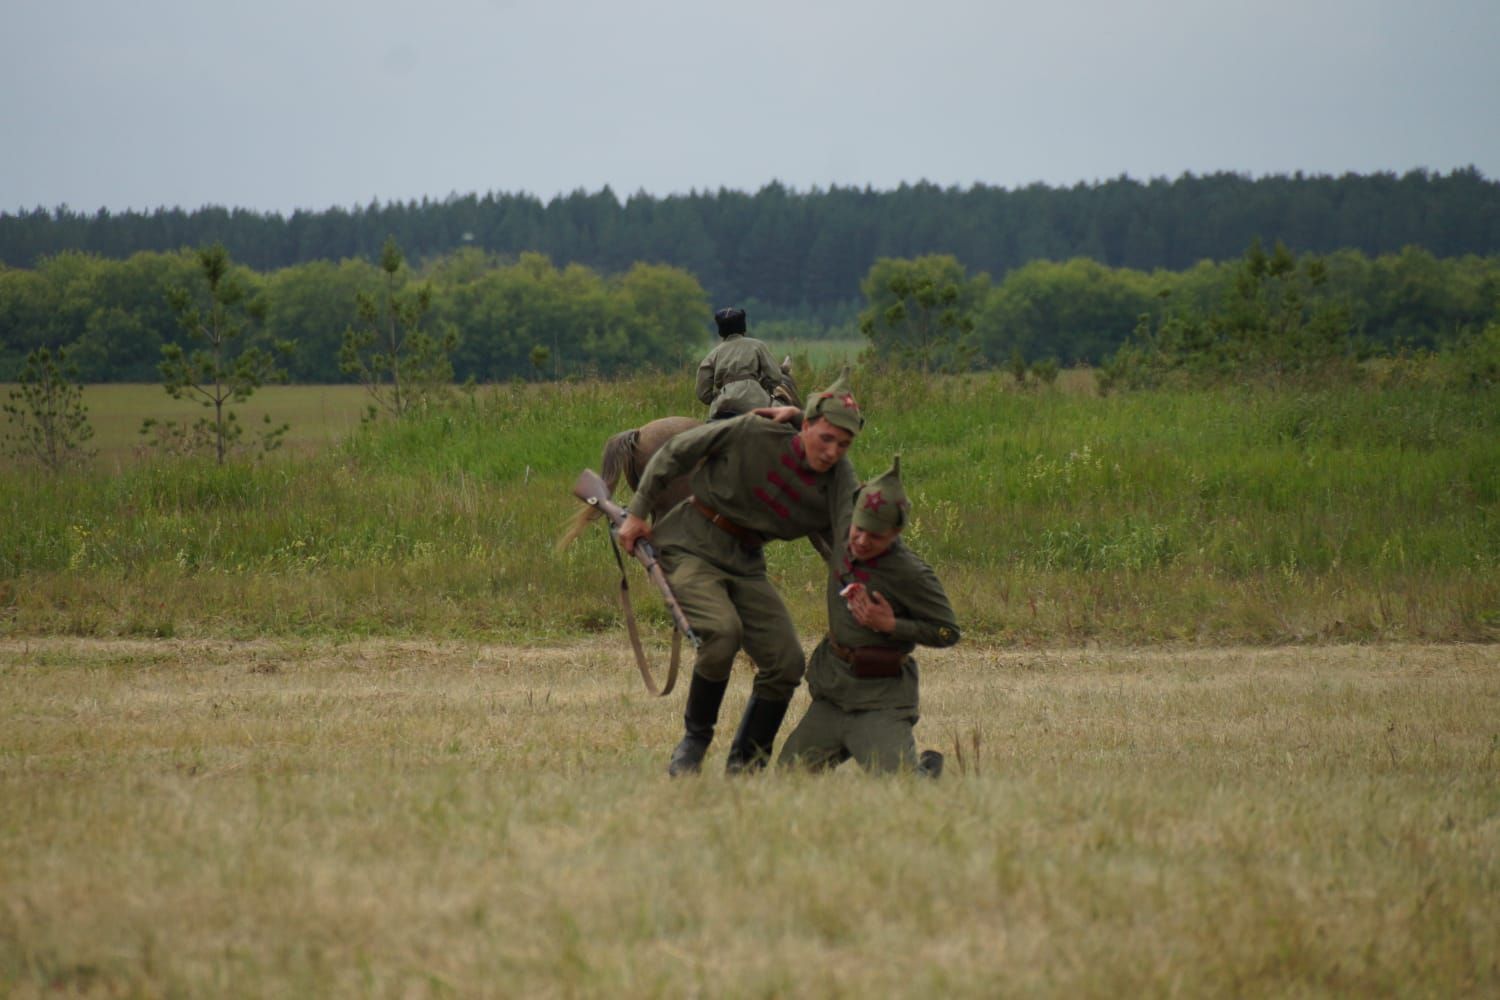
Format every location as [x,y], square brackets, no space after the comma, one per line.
[754,480]
[883,601]
[739,374]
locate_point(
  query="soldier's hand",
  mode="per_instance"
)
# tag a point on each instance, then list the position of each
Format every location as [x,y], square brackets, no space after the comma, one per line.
[634,528]
[872,611]
[780,414]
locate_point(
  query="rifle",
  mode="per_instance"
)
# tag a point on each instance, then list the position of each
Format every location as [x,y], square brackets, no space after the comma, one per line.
[591,489]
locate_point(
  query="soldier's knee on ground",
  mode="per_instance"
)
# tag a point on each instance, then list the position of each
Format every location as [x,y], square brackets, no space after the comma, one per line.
[810,758]
[885,761]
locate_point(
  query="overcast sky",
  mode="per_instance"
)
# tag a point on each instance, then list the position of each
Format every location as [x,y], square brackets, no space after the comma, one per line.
[278,105]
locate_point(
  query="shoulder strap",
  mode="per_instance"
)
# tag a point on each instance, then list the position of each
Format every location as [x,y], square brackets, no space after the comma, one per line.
[635,635]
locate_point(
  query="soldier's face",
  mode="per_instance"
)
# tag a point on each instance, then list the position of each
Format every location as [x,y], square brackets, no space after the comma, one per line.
[866,545]
[824,444]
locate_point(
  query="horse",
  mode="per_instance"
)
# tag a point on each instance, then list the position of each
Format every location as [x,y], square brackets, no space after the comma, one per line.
[627,453]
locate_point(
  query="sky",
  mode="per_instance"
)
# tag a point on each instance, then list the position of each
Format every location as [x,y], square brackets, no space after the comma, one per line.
[277,105]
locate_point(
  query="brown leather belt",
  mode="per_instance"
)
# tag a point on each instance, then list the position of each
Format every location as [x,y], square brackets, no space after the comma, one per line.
[845,653]
[870,661]
[749,539]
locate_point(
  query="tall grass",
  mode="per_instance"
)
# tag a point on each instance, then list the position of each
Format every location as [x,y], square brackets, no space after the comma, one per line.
[1053,516]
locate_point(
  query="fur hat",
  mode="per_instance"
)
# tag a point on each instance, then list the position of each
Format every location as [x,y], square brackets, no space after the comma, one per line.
[730,320]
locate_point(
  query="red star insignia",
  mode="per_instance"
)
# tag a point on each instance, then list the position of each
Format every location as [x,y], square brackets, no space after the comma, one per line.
[849,401]
[874,501]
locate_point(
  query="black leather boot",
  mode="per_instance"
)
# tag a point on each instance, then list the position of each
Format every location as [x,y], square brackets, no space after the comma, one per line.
[698,721]
[751,749]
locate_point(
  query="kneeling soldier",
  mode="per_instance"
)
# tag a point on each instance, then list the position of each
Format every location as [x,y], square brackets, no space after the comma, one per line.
[883,601]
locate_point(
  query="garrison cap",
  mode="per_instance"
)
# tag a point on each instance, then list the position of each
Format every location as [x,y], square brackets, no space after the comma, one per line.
[881,504]
[836,405]
[730,320]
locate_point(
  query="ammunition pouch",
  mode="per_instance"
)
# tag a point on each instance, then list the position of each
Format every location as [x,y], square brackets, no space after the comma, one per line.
[878,661]
[870,662]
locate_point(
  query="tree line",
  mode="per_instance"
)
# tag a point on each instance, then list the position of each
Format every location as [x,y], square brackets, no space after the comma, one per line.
[1269,315]
[807,252]
[1266,316]
[501,319]
[527,317]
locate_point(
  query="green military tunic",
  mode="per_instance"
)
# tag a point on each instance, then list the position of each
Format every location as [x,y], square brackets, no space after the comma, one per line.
[751,471]
[869,718]
[737,376]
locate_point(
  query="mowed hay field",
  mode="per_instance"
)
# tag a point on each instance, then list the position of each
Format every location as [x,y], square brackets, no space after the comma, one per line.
[419,818]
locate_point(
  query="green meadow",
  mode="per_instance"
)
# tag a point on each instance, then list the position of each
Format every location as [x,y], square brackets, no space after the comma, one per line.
[1055,515]
[318,415]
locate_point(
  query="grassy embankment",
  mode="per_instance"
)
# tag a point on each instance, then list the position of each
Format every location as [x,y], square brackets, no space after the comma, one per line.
[1053,516]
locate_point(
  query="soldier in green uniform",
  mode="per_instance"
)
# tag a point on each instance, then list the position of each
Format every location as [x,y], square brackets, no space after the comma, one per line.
[883,601]
[754,480]
[739,374]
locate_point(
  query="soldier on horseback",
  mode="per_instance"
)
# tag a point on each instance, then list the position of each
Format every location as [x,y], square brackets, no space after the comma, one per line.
[739,374]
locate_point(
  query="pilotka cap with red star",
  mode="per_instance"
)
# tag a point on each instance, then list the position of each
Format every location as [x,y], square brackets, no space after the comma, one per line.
[881,504]
[836,405]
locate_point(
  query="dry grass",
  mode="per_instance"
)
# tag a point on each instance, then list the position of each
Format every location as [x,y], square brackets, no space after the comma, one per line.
[420,818]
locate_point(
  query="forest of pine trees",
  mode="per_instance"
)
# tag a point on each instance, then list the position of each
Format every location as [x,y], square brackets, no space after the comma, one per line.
[810,250]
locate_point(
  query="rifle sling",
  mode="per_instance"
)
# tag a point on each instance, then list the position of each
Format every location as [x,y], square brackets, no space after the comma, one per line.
[635,635]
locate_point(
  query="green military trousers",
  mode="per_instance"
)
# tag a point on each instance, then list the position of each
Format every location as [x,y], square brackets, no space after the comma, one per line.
[731,612]
[880,740]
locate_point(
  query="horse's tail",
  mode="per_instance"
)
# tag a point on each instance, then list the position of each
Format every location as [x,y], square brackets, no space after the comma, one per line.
[619,459]
[619,453]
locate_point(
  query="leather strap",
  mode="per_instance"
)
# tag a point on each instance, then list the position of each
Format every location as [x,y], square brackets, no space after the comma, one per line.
[845,653]
[635,636]
[749,539]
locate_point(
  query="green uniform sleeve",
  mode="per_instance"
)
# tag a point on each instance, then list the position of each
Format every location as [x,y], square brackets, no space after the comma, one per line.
[925,617]
[841,500]
[703,387]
